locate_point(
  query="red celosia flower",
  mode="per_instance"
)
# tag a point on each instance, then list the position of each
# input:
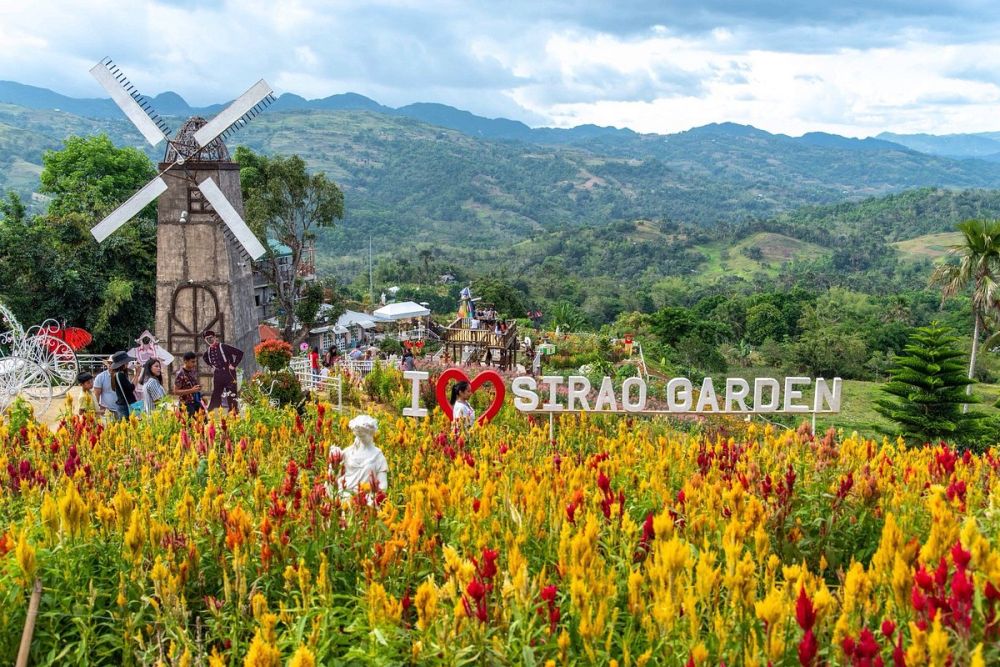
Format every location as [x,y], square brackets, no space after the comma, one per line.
[960,556]
[603,483]
[488,566]
[923,578]
[475,590]
[549,593]
[888,627]
[805,614]
[808,648]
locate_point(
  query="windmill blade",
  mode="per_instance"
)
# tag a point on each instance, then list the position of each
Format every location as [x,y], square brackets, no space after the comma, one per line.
[129,209]
[237,114]
[232,219]
[130,101]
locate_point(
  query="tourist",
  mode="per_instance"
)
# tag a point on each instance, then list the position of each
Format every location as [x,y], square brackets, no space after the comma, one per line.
[314,364]
[463,416]
[409,363]
[87,404]
[187,386]
[223,359]
[122,386]
[356,354]
[152,384]
[107,402]
[331,356]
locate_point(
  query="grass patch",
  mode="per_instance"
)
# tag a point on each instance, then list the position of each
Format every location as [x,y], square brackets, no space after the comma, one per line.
[928,246]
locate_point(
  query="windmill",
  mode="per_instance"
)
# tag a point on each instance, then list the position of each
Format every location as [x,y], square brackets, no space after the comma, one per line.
[138,110]
[203,246]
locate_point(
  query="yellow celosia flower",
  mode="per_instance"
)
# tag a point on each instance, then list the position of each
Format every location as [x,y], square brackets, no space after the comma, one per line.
[72,509]
[262,654]
[135,537]
[426,600]
[303,658]
[937,644]
[25,555]
[50,516]
[771,608]
[216,660]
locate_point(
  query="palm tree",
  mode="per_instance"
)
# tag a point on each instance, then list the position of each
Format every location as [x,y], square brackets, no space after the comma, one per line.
[979,265]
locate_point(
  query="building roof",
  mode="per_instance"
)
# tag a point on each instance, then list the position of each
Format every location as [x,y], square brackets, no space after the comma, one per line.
[354,318]
[278,248]
[268,332]
[403,310]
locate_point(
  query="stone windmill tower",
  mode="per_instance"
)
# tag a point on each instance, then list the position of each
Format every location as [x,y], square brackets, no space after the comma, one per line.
[203,279]
[204,248]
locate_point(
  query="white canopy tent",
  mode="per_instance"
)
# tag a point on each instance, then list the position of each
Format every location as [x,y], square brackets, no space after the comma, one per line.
[404,310]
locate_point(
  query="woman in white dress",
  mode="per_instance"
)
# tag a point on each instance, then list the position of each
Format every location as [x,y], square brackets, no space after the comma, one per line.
[462,414]
[152,385]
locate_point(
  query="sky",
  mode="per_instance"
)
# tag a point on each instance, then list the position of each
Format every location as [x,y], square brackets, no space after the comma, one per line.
[851,67]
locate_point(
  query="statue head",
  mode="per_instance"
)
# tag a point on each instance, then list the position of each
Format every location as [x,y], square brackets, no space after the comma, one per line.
[364,427]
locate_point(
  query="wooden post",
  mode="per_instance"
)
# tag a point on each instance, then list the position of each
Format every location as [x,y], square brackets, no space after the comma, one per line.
[29,624]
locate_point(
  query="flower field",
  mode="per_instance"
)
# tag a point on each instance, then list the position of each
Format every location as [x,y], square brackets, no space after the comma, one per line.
[628,542]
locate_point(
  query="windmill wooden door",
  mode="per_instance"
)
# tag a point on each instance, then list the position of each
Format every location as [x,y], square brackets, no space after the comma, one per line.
[194,309]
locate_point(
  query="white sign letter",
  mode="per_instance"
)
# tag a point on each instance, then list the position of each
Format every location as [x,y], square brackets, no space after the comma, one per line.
[736,391]
[824,394]
[640,404]
[416,377]
[707,397]
[606,397]
[525,398]
[579,387]
[553,382]
[791,394]
[758,395]
[679,395]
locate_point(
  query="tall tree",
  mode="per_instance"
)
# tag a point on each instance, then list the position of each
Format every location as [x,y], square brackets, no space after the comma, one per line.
[50,265]
[286,204]
[978,265]
[926,387]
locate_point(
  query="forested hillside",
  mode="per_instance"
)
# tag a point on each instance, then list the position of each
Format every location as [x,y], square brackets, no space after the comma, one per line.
[408,181]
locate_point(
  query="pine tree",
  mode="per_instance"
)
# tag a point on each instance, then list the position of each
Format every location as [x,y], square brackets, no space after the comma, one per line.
[928,380]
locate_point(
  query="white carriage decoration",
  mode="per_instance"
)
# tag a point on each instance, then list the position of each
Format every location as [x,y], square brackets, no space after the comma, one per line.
[34,363]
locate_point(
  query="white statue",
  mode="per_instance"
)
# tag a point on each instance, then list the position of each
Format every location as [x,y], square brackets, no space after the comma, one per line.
[362,461]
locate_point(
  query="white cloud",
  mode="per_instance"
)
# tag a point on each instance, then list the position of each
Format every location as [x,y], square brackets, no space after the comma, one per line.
[855,69]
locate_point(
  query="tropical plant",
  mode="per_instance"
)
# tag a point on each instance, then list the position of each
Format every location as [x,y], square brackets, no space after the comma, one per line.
[978,265]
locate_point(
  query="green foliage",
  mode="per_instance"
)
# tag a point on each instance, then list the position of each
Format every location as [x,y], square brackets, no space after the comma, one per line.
[497,290]
[928,382]
[50,266]
[278,388]
[390,346]
[286,203]
[566,317]
[383,382]
[89,175]
[310,299]
[273,355]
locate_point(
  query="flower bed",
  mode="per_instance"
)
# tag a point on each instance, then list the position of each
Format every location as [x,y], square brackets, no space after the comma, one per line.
[626,540]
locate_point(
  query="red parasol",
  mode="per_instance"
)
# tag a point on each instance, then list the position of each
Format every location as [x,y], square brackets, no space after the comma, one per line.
[75,337]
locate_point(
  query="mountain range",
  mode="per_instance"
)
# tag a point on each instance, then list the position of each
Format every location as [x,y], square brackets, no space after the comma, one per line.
[439,175]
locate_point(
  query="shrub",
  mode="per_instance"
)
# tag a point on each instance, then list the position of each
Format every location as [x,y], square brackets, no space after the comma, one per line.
[273,355]
[275,387]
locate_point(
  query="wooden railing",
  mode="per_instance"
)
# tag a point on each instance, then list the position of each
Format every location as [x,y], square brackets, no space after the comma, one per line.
[459,332]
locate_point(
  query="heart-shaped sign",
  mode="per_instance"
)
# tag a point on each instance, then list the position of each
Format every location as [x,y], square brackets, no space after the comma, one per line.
[486,376]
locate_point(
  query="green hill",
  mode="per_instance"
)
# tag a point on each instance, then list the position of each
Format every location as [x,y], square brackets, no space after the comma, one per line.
[407,181]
